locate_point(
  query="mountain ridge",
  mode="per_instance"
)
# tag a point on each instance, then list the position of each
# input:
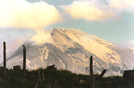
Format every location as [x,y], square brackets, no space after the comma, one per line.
[71,49]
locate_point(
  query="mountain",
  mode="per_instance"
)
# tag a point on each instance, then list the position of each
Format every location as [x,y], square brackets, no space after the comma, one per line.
[71,49]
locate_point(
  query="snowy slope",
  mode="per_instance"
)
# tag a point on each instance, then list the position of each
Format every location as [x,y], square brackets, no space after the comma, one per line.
[71,49]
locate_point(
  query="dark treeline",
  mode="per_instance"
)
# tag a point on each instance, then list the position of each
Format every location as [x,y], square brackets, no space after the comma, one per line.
[53,78]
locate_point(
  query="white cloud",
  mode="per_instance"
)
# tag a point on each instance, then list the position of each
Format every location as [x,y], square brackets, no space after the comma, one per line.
[11,46]
[95,10]
[14,38]
[22,14]
[130,43]
[89,11]
[122,4]
[41,37]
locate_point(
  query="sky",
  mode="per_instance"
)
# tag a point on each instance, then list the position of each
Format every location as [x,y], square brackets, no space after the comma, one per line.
[111,20]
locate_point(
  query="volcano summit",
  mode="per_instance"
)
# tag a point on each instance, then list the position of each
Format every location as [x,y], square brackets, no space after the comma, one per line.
[71,49]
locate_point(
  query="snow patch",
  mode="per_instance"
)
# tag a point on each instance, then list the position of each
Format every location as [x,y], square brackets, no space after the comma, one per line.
[31,67]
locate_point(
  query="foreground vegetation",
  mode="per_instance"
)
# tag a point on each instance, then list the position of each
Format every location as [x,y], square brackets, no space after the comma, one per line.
[52,78]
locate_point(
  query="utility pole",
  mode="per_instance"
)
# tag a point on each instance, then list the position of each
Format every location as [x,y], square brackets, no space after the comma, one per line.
[4,63]
[24,61]
[91,73]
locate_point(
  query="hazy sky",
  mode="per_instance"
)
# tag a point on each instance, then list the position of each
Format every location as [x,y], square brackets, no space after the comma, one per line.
[112,20]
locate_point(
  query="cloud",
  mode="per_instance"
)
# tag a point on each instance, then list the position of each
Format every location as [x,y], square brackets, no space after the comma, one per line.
[14,38]
[130,44]
[88,11]
[11,46]
[41,37]
[95,10]
[122,4]
[22,14]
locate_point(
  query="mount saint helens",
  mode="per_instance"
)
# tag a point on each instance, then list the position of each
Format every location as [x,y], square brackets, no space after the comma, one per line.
[71,49]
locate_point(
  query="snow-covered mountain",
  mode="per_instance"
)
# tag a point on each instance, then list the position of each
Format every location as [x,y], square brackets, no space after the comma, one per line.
[71,49]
